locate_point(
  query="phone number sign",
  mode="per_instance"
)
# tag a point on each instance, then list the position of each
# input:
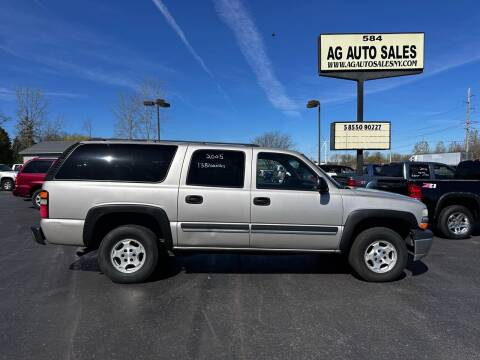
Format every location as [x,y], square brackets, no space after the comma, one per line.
[367,135]
[371,52]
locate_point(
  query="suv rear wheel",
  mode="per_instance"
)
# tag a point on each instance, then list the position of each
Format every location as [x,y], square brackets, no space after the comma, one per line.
[128,254]
[456,222]
[378,254]
[36,199]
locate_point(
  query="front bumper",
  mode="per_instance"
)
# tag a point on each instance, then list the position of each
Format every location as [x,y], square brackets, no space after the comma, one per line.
[37,235]
[419,243]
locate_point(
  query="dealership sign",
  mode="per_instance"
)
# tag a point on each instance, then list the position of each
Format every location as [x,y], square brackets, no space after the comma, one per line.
[379,52]
[367,135]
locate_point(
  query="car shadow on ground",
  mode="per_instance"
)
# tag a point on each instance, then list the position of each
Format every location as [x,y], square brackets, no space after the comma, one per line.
[221,263]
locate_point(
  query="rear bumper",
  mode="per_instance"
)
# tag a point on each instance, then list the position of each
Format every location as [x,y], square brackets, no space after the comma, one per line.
[419,243]
[37,235]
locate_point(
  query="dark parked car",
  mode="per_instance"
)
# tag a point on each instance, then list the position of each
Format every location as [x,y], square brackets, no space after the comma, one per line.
[30,179]
[452,195]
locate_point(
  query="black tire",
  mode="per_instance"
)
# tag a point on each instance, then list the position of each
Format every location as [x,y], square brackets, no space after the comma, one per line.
[364,241]
[7,184]
[35,199]
[138,234]
[445,214]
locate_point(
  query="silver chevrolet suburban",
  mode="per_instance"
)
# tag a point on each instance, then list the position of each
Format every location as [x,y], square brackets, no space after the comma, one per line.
[135,201]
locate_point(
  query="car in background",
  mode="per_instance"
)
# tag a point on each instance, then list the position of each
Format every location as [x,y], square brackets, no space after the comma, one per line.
[7,178]
[31,177]
[333,170]
[17,167]
[451,195]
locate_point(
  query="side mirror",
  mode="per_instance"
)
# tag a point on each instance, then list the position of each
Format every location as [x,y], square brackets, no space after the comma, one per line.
[322,185]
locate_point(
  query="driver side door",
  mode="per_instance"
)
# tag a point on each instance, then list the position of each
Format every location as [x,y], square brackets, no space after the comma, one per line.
[288,212]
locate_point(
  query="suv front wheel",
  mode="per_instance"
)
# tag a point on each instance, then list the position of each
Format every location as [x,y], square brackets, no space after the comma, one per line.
[378,254]
[128,254]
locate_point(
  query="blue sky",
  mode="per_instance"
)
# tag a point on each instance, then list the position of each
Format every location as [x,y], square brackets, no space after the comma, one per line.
[226,76]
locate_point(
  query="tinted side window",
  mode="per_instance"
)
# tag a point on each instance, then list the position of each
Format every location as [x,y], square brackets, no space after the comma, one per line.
[419,171]
[37,167]
[220,168]
[118,162]
[443,172]
[282,171]
[391,170]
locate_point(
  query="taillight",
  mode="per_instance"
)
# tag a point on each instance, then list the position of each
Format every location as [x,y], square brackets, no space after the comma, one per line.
[44,204]
[414,191]
[352,182]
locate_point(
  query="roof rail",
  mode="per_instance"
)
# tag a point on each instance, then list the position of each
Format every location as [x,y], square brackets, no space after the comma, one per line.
[175,141]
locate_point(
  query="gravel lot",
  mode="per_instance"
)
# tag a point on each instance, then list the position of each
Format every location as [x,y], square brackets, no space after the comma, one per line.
[55,305]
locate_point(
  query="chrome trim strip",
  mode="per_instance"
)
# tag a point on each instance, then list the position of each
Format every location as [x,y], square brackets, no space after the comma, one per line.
[223,228]
[252,249]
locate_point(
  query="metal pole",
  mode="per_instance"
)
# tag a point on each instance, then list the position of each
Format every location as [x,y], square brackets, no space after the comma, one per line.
[319,138]
[158,122]
[359,119]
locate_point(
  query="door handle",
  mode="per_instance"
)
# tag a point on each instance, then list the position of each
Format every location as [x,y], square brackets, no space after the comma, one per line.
[261,201]
[194,199]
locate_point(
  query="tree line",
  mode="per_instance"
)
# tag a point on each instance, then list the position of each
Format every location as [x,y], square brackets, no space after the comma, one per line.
[35,123]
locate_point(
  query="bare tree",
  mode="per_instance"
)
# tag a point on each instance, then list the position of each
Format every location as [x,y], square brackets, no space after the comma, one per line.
[133,118]
[52,130]
[149,89]
[274,139]
[88,127]
[127,114]
[440,147]
[32,109]
[456,147]
[421,147]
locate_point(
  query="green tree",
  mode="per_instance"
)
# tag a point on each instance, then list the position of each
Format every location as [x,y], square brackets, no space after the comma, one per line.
[6,155]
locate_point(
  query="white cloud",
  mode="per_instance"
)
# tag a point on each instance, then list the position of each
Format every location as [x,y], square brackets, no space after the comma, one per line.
[234,14]
[178,30]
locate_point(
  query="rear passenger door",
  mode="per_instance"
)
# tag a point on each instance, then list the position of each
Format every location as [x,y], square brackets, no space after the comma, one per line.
[214,198]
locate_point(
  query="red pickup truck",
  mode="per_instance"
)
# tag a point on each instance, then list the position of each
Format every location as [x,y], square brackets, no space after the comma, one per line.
[30,179]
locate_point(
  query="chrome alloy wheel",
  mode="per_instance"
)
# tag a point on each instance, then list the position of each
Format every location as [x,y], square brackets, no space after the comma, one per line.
[128,256]
[380,256]
[7,185]
[458,223]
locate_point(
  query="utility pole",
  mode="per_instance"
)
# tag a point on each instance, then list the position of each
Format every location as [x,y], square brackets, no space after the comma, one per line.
[467,125]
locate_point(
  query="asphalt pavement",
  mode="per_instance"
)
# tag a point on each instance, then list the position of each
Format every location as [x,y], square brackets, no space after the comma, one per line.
[55,305]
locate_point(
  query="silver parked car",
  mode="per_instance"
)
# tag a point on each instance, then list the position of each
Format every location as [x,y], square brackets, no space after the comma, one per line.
[135,200]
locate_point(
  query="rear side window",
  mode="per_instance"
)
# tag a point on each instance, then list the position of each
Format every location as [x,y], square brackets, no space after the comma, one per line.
[419,171]
[390,170]
[37,167]
[118,162]
[219,168]
[443,172]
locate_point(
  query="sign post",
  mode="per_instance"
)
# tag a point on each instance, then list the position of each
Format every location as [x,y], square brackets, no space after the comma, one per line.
[367,56]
